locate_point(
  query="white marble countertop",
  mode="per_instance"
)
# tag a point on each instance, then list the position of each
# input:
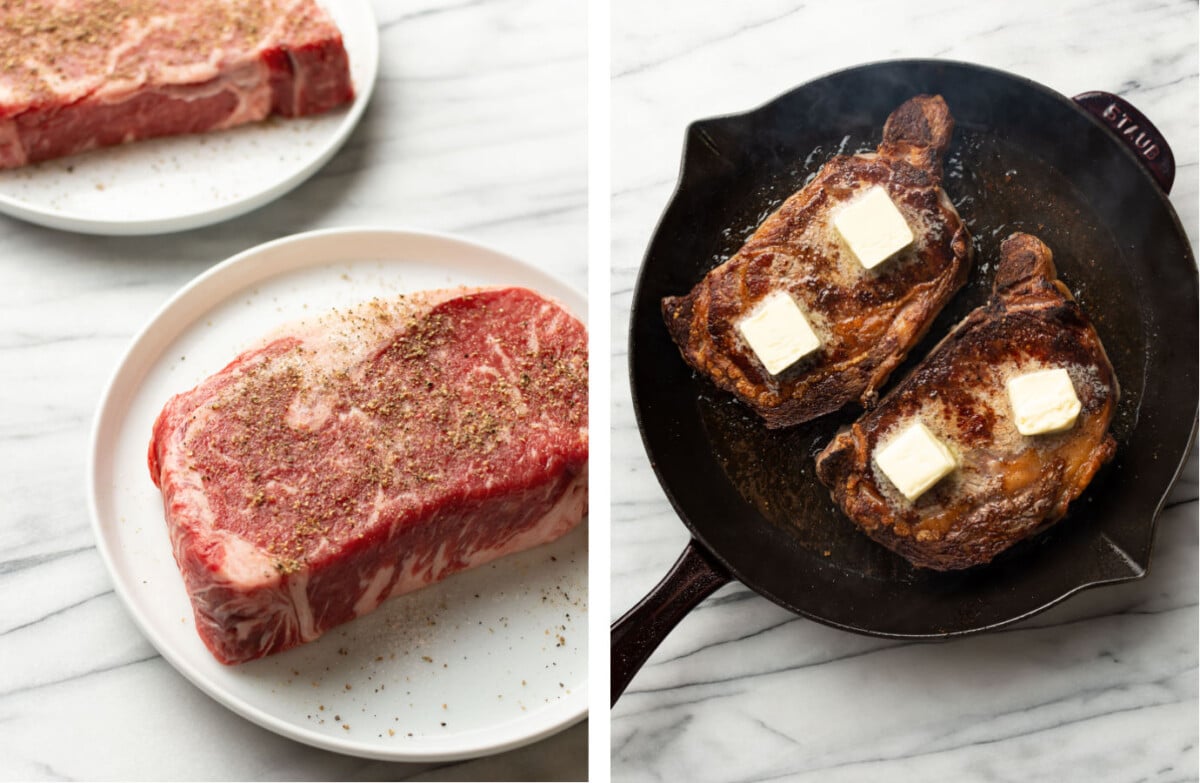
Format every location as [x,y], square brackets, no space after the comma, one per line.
[478,128]
[1102,687]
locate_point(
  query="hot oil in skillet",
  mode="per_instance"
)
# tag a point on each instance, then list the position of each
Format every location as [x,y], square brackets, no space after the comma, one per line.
[998,189]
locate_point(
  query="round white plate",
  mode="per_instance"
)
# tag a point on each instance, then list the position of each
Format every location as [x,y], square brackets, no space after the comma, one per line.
[172,184]
[484,661]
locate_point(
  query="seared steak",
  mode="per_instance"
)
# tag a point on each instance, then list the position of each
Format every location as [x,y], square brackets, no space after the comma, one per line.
[368,453]
[79,74]
[1008,486]
[867,319]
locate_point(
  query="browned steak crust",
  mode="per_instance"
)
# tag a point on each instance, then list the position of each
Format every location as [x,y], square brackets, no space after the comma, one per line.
[868,319]
[1009,486]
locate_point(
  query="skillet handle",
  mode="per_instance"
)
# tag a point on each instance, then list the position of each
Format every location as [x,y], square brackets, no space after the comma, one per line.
[694,577]
[1139,134]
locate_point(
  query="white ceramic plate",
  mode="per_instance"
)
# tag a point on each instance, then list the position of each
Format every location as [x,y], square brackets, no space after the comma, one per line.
[182,182]
[484,661]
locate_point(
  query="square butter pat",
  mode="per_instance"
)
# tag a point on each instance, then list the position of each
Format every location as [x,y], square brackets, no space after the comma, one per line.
[915,460]
[1043,402]
[873,227]
[778,332]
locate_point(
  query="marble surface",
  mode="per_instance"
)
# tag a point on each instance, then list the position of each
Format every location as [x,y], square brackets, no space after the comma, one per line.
[477,127]
[1102,687]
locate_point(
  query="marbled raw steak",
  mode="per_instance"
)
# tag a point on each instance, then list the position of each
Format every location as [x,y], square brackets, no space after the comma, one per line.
[368,453]
[80,74]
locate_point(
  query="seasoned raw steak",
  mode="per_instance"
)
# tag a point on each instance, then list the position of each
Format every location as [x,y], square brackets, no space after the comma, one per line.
[868,319]
[368,453]
[1008,486]
[79,74]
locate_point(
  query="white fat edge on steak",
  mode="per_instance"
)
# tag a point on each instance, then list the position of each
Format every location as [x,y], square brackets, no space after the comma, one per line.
[272,609]
[191,513]
[9,97]
[284,609]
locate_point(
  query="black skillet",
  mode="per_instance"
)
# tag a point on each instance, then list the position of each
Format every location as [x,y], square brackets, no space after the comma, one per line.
[1089,176]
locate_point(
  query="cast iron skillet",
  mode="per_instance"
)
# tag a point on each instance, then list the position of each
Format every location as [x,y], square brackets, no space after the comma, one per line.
[1089,176]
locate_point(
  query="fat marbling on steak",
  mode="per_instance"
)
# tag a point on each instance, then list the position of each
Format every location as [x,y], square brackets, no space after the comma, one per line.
[369,453]
[1008,486]
[868,318]
[80,74]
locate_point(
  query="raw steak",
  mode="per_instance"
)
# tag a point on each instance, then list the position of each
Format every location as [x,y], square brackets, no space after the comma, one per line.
[868,319]
[1009,486]
[369,453]
[80,74]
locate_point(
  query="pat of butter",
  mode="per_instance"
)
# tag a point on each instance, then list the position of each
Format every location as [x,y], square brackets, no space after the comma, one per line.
[915,460]
[873,227]
[1043,402]
[778,333]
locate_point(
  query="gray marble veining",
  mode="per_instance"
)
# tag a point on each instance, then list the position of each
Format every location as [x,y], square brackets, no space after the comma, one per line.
[1101,688]
[478,128]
